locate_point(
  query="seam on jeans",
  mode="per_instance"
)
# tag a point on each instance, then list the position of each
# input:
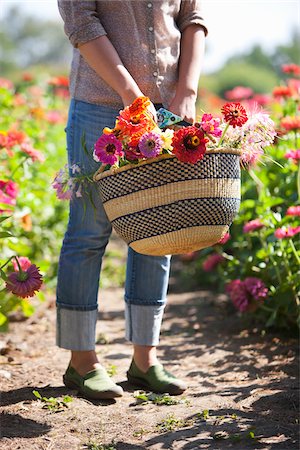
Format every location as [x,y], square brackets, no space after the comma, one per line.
[130,322]
[76,308]
[133,274]
[142,302]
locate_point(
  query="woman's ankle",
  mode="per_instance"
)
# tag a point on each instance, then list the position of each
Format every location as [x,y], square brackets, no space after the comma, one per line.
[144,357]
[84,361]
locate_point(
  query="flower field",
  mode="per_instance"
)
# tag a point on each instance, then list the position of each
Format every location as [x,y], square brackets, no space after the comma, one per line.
[257,264]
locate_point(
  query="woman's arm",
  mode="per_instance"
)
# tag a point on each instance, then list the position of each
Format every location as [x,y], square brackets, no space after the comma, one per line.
[101,55]
[190,64]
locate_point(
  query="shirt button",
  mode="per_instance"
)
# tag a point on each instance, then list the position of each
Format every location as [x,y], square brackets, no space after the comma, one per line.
[149,5]
[152,50]
[150,28]
[155,74]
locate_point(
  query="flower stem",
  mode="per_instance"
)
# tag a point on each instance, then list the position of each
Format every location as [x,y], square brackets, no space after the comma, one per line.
[298,182]
[289,273]
[223,134]
[271,258]
[8,261]
[295,251]
[18,166]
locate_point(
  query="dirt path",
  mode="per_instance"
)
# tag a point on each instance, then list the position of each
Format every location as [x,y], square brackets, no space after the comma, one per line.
[242,384]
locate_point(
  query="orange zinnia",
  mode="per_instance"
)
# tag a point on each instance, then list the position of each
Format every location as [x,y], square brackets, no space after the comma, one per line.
[139,106]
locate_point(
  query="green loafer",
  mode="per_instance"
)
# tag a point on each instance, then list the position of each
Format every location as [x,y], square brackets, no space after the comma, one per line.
[95,385]
[156,379]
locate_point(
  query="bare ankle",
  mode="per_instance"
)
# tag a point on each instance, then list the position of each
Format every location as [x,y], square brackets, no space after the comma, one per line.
[84,361]
[144,356]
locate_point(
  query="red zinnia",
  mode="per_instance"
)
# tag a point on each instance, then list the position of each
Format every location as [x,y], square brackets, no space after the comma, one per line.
[291,68]
[25,283]
[290,123]
[189,144]
[282,91]
[235,114]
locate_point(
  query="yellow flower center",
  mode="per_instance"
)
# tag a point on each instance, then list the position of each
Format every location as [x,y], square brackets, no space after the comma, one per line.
[195,141]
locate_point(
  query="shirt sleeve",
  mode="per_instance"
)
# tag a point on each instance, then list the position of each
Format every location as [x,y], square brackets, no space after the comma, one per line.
[190,13]
[81,22]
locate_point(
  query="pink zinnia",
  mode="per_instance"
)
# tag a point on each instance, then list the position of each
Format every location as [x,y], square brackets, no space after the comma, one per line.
[253,225]
[150,144]
[293,154]
[289,232]
[247,294]
[239,93]
[25,283]
[34,154]
[24,262]
[8,192]
[210,125]
[212,261]
[238,294]
[293,211]
[256,288]
[224,239]
[107,149]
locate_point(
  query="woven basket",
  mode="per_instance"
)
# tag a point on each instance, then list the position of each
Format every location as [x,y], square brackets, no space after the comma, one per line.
[163,206]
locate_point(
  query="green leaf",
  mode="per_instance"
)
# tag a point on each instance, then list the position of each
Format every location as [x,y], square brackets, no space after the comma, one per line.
[4,218]
[4,234]
[3,319]
[37,394]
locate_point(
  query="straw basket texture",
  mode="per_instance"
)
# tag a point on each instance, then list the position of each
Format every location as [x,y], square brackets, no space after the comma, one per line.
[163,206]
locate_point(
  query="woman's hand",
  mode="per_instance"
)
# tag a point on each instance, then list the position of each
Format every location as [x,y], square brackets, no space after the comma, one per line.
[184,106]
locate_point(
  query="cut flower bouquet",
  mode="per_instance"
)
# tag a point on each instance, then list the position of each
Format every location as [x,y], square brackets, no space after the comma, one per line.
[137,136]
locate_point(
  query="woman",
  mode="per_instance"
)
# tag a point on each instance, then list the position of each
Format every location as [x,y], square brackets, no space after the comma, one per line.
[122,50]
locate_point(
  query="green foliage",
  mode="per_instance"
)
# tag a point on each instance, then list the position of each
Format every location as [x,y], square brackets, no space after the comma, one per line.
[53,404]
[157,399]
[27,41]
[94,446]
[171,422]
[240,73]
[268,190]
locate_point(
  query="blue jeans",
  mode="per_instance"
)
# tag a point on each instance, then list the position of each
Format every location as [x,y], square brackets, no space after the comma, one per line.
[83,248]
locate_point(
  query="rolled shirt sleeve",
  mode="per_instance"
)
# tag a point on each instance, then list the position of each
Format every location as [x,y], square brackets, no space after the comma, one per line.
[81,22]
[190,13]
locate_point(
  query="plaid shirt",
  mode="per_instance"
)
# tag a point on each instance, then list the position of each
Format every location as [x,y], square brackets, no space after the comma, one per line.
[146,35]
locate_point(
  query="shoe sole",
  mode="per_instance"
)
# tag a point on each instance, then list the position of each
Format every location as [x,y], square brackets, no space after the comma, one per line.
[138,382]
[105,395]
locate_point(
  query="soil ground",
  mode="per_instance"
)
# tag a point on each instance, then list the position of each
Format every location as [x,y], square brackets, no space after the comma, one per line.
[243,384]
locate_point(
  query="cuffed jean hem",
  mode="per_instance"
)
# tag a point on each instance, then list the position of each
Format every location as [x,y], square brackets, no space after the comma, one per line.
[76,330]
[143,323]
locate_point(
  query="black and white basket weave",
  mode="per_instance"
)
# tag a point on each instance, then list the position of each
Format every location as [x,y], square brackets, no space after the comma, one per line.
[163,206]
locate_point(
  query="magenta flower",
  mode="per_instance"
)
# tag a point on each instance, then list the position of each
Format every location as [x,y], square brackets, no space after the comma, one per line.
[8,192]
[289,232]
[107,149]
[25,283]
[224,239]
[293,211]
[238,294]
[150,144]
[246,295]
[24,263]
[210,125]
[256,288]
[294,155]
[212,261]
[253,225]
